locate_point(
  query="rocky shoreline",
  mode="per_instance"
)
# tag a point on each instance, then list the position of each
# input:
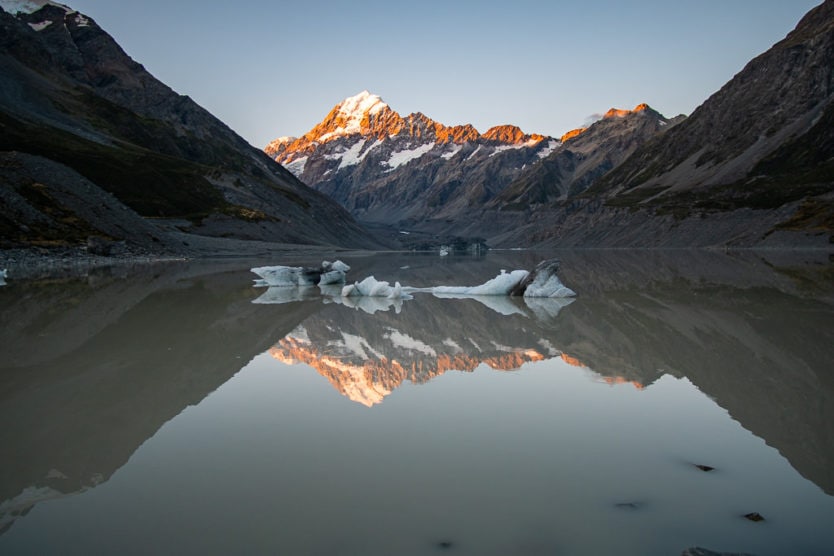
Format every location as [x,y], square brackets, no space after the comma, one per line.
[37,263]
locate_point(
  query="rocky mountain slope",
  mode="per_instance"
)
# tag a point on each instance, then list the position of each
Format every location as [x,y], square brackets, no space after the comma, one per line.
[395,170]
[585,156]
[77,112]
[752,166]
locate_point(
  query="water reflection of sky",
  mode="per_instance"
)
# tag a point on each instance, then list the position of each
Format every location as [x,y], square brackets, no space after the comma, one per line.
[587,447]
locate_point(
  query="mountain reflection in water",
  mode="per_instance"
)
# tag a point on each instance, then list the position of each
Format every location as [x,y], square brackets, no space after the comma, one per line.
[93,369]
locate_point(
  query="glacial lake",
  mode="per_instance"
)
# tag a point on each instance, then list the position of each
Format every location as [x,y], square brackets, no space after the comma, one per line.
[177,409]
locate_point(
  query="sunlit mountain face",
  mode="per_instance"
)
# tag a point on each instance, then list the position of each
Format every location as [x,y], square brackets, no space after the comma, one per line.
[393,169]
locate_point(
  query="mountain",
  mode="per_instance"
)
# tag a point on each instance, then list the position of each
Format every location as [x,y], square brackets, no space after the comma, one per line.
[752,166]
[406,171]
[584,156]
[93,146]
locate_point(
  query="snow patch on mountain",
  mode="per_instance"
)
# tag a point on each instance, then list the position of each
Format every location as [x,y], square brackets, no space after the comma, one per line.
[478,148]
[405,156]
[40,26]
[455,150]
[296,167]
[551,146]
[355,154]
[502,148]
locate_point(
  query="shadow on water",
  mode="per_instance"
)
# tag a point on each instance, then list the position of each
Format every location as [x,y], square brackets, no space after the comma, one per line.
[92,368]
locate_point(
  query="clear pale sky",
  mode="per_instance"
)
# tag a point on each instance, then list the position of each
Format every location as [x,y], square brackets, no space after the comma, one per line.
[273,68]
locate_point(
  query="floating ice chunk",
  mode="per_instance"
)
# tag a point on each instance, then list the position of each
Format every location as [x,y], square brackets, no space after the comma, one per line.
[285,276]
[544,282]
[277,276]
[371,287]
[335,265]
[332,277]
[500,285]
[550,287]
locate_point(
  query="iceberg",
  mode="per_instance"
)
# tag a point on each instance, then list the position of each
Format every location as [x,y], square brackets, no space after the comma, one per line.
[285,276]
[544,282]
[371,287]
[502,284]
[542,291]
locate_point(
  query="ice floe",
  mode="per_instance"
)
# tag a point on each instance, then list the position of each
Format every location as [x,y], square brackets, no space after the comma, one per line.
[500,285]
[544,282]
[285,276]
[371,287]
[542,291]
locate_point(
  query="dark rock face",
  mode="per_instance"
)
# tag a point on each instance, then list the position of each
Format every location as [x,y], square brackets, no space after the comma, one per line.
[44,203]
[752,166]
[764,144]
[69,93]
[410,171]
[584,157]
[778,97]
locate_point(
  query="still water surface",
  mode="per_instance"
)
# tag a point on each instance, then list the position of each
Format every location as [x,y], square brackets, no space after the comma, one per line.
[182,411]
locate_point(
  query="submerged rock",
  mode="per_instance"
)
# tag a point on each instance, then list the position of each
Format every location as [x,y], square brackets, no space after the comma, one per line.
[704,468]
[629,505]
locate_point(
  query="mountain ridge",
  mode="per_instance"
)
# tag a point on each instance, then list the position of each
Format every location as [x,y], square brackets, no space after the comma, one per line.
[69,94]
[400,170]
[753,166]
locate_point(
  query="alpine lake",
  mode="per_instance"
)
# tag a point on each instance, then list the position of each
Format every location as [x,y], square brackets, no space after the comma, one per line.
[682,399]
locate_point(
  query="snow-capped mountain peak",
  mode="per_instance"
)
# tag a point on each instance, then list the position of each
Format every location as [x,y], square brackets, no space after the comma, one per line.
[361,104]
[354,115]
[390,168]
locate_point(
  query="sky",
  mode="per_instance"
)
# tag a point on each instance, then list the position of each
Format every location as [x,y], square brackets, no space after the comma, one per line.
[276,68]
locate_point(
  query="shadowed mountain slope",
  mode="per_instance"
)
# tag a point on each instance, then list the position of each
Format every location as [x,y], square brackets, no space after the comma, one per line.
[80,110]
